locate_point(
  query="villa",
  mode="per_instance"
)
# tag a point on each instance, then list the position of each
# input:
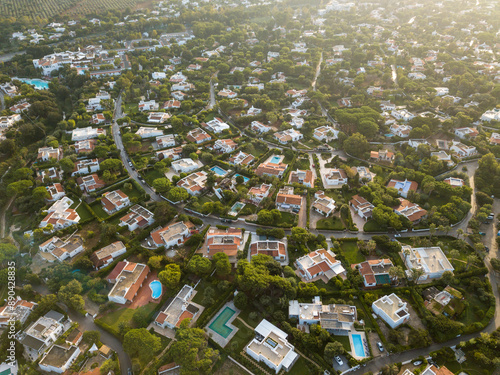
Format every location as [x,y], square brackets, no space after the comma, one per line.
[289,135]
[62,250]
[47,153]
[227,241]
[259,128]
[241,158]
[411,211]
[172,235]
[454,181]
[60,215]
[392,310]
[198,136]
[86,166]
[271,347]
[382,155]
[443,156]
[17,310]
[375,272]
[90,183]
[179,309]
[336,319]
[466,133]
[323,204]
[494,139]
[403,187]
[82,134]
[431,260]
[184,165]
[336,177]
[285,199]
[275,249]
[302,177]
[402,131]
[145,132]
[172,153]
[216,125]
[225,145]
[127,278]
[165,141]
[114,201]
[59,358]
[319,264]
[271,169]
[462,150]
[105,256]
[325,133]
[258,193]
[138,217]
[55,191]
[194,183]
[87,145]
[491,115]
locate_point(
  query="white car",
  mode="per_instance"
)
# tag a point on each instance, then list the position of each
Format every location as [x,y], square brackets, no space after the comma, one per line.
[339,360]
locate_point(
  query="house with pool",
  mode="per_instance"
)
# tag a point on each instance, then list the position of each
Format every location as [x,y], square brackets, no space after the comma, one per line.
[128,278]
[178,309]
[270,345]
[336,319]
[375,272]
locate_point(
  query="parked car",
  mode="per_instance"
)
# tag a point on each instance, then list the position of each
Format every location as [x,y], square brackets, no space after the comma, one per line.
[380,346]
[487,249]
[339,360]
[417,363]
[482,233]
[397,235]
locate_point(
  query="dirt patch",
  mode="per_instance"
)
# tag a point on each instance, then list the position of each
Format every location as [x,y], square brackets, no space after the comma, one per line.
[94,239]
[230,368]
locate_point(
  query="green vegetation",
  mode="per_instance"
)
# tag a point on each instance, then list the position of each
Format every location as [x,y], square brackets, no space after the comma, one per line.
[330,223]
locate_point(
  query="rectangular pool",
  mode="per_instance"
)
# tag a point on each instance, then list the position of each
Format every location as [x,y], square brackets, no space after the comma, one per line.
[359,349]
[275,159]
[219,324]
[218,171]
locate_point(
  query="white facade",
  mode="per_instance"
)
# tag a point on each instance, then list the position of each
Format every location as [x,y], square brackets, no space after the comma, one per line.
[184,165]
[59,359]
[431,260]
[89,132]
[392,310]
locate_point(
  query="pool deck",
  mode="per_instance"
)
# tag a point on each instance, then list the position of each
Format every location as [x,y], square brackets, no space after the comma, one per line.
[214,335]
[268,160]
[363,339]
[144,294]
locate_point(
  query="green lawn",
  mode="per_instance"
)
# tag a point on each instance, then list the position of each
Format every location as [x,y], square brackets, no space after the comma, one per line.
[300,367]
[287,219]
[468,317]
[198,298]
[134,192]
[330,223]
[303,164]
[467,367]
[99,211]
[242,336]
[351,252]
[245,316]
[372,226]
[84,213]
[114,318]
[344,340]
[152,175]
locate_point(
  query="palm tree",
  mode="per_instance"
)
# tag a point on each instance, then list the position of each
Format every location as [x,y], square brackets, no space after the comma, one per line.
[416,273]
[396,272]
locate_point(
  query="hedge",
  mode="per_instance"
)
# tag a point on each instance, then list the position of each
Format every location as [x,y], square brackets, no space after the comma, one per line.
[210,311]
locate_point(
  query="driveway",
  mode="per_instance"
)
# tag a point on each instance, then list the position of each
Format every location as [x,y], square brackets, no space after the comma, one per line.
[303,214]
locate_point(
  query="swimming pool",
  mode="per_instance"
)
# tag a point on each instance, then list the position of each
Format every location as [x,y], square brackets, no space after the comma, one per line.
[237,207]
[218,171]
[275,159]
[38,83]
[219,324]
[358,345]
[245,179]
[155,289]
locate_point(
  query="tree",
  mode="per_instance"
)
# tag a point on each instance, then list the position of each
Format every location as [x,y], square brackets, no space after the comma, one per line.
[67,165]
[191,350]
[112,165]
[107,366]
[199,265]
[357,145]
[333,349]
[396,272]
[171,276]
[416,273]
[155,262]
[222,264]
[177,194]
[240,179]
[19,187]
[40,193]
[141,343]
[241,301]
[7,252]
[161,185]
[91,337]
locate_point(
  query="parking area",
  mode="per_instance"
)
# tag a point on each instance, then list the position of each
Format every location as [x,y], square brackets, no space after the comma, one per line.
[343,367]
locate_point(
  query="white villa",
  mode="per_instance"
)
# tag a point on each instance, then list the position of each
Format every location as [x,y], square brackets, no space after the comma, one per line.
[392,309]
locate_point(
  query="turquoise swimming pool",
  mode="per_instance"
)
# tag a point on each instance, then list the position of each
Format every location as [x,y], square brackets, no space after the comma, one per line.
[219,324]
[218,171]
[358,345]
[275,159]
[38,83]
[155,289]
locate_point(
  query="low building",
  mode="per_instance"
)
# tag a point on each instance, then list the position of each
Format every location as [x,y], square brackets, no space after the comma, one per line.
[62,250]
[363,208]
[198,136]
[495,139]
[17,310]
[463,151]
[227,241]
[225,145]
[375,272]
[172,153]
[127,278]
[55,191]
[89,132]
[184,165]
[382,155]
[86,166]
[85,146]
[431,260]
[138,217]
[336,177]
[40,335]
[271,169]
[60,215]
[170,369]
[241,158]
[323,204]
[411,211]
[443,156]
[302,177]
[275,249]
[90,183]
[216,125]
[114,201]
[145,132]
[47,153]
[289,135]
[105,256]
[466,133]
[325,133]
[403,187]
[270,346]
[59,359]
[402,131]
[150,105]
[319,264]
[286,199]
[392,310]
[165,141]
[454,181]
[336,319]
[258,193]
[194,183]
[259,127]
[98,118]
[179,309]
[172,235]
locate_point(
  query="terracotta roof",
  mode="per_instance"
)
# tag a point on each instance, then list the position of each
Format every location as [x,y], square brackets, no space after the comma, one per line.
[135,287]
[185,315]
[289,199]
[116,271]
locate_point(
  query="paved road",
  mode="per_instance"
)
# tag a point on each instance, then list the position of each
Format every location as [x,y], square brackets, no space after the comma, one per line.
[318,71]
